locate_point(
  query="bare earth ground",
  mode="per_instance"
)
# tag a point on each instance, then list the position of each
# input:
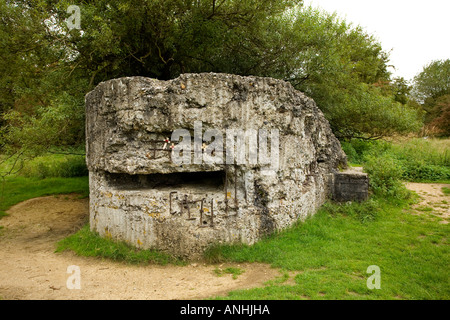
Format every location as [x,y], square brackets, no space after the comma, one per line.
[30,269]
[432,200]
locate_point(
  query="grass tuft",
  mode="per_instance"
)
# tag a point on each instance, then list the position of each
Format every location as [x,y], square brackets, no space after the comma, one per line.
[234,271]
[446,191]
[90,244]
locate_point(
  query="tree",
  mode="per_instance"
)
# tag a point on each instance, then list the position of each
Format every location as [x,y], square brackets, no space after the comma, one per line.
[433,81]
[48,68]
[431,90]
[442,120]
[339,65]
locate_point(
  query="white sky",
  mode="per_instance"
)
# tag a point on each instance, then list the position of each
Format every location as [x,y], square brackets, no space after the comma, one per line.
[416,31]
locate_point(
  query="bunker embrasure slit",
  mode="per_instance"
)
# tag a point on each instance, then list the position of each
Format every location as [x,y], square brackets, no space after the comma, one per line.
[203,180]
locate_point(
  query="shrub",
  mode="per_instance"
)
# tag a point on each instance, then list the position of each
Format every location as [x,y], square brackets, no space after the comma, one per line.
[74,166]
[352,155]
[385,174]
[420,159]
[357,150]
[421,171]
[363,211]
[53,166]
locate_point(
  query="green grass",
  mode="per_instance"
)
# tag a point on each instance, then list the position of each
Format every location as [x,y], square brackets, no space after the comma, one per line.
[55,165]
[420,160]
[45,166]
[90,244]
[16,189]
[446,191]
[332,250]
[429,151]
[49,174]
[424,209]
[234,271]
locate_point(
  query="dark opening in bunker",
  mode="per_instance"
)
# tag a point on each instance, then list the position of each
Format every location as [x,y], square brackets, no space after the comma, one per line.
[204,179]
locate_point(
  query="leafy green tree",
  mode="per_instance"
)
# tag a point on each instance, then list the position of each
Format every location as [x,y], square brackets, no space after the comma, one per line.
[398,88]
[431,90]
[163,38]
[433,81]
[47,68]
[339,66]
[41,98]
[439,124]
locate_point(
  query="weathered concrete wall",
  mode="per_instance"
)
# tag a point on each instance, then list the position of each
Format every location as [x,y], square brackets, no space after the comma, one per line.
[350,186]
[136,193]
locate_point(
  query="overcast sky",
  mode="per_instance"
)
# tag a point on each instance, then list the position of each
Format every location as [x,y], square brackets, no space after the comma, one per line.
[416,31]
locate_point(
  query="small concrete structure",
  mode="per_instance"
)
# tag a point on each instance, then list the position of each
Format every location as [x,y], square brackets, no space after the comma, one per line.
[350,186]
[159,177]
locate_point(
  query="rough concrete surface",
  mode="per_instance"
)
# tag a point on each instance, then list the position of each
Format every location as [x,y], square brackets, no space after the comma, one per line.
[140,195]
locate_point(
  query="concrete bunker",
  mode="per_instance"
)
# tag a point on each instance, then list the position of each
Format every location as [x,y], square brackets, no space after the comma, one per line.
[207,158]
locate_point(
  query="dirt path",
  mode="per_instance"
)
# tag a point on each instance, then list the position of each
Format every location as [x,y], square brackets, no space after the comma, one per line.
[30,269]
[433,201]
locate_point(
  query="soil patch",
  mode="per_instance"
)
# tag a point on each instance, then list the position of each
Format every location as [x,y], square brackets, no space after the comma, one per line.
[433,201]
[30,269]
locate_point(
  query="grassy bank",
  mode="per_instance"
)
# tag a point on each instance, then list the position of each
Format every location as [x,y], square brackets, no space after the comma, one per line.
[41,176]
[48,165]
[419,160]
[90,244]
[328,255]
[17,189]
